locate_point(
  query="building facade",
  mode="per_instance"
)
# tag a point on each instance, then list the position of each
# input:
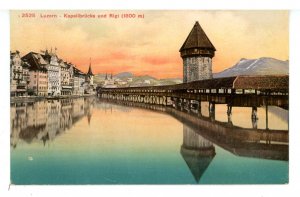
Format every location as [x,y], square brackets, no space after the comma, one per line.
[44,74]
[65,78]
[38,75]
[197,52]
[19,75]
[54,74]
[79,80]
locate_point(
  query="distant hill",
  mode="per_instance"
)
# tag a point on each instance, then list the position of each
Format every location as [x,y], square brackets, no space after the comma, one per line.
[261,66]
[123,75]
[143,80]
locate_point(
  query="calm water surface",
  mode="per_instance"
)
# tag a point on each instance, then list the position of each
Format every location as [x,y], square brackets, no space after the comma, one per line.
[88,141]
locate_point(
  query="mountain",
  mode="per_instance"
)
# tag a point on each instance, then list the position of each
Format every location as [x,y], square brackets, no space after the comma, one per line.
[261,66]
[123,75]
[170,81]
[99,77]
[126,79]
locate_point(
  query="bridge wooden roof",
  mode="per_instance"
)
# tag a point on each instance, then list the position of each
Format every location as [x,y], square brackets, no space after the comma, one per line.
[260,82]
[217,83]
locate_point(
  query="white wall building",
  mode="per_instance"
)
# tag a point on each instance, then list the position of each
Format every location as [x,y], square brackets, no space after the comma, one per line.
[54,74]
[65,77]
[79,80]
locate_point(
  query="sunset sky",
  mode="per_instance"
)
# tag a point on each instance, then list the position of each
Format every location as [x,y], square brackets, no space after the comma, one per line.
[150,45]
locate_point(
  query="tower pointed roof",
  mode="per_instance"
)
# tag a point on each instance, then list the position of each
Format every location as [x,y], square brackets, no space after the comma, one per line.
[197,38]
[198,160]
[90,70]
[197,43]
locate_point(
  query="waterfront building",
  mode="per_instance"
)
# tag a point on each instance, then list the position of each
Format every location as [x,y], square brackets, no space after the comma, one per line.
[71,74]
[89,81]
[19,75]
[79,80]
[38,75]
[197,52]
[54,73]
[65,77]
[90,75]
[26,76]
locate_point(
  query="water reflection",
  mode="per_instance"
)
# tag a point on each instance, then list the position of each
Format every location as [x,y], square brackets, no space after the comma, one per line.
[197,152]
[45,120]
[200,133]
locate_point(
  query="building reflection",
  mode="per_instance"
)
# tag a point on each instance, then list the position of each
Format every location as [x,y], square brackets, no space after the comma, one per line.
[197,152]
[44,120]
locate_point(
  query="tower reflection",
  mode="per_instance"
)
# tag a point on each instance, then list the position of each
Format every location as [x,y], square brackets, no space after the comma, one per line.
[197,152]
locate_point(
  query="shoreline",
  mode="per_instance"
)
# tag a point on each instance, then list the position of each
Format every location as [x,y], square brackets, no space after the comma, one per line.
[40,98]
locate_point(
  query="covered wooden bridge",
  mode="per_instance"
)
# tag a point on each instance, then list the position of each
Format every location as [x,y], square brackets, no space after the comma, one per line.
[248,91]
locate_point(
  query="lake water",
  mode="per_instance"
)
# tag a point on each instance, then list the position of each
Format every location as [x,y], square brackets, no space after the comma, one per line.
[91,141]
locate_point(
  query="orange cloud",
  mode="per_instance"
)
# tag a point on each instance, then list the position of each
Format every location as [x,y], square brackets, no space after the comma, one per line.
[156,60]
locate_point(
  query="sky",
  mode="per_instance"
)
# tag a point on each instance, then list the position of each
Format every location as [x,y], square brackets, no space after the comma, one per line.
[150,45]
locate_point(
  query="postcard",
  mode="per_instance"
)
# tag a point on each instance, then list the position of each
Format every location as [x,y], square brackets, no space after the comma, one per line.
[127,97]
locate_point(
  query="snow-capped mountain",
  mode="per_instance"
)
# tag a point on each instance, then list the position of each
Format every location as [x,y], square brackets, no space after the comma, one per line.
[261,66]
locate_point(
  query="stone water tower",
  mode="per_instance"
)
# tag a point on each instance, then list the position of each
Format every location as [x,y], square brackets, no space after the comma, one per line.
[197,52]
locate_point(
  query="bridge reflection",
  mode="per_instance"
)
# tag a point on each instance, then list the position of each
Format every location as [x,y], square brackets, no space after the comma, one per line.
[260,143]
[201,133]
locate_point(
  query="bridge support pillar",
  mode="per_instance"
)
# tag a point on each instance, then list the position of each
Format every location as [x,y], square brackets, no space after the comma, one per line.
[229,114]
[175,102]
[199,108]
[254,117]
[212,108]
[267,118]
[188,105]
[181,104]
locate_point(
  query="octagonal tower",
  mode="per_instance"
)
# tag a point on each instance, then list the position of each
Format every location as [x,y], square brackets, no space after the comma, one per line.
[197,52]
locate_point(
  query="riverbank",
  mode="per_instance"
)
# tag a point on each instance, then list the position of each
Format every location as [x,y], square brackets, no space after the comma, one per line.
[39,98]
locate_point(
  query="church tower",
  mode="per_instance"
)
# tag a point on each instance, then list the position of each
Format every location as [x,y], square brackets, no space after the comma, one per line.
[197,52]
[90,74]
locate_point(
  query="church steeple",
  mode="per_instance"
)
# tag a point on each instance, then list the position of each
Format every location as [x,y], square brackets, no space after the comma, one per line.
[90,69]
